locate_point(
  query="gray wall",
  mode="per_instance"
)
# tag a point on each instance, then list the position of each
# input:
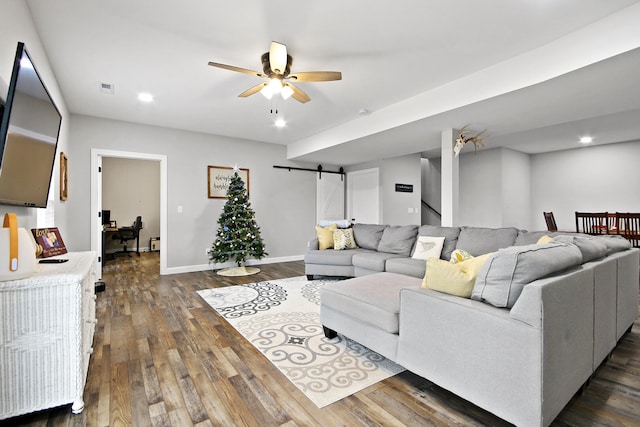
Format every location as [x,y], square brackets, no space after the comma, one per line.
[495,188]
[17,25]
[591,179]
[501,187]
[284,202]
[130,188]
[395,205]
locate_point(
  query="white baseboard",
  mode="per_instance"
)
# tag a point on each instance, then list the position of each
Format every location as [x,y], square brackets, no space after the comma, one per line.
[204,267]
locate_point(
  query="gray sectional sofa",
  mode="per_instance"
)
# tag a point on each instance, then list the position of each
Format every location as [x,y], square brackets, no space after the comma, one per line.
[540,320]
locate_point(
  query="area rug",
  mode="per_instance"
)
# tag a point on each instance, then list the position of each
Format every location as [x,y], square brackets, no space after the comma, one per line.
[281,318]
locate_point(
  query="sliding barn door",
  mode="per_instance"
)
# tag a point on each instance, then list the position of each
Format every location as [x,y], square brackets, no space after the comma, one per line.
[330,197]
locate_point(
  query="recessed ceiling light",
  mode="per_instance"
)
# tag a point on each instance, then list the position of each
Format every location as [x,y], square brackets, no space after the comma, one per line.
[586,139]
[280,123]
[145,97]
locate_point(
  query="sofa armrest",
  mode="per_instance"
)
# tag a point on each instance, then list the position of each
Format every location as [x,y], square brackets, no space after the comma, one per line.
[523,365]
[313,245]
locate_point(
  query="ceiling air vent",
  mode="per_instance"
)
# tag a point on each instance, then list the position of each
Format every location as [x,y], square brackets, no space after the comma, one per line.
[106,88]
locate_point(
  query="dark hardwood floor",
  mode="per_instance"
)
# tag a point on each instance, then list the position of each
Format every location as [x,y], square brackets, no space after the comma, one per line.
[162,357]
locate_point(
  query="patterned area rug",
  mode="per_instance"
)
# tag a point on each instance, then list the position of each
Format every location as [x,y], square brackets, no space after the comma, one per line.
[281,318]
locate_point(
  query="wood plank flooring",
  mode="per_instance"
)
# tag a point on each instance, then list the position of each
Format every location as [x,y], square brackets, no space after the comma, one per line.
[164,358]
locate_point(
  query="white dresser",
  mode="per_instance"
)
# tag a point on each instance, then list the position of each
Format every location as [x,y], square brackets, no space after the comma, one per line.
[47,323]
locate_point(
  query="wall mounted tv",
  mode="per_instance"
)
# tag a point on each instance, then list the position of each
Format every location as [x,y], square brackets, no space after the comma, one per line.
[28,136]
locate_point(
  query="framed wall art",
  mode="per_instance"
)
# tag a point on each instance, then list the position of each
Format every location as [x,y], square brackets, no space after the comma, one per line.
[64,176]
[218,178]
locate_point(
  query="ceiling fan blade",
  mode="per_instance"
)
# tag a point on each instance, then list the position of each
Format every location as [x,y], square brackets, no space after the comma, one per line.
[297,94]
[316,76]
[278,57]
[251,91]
[238,69]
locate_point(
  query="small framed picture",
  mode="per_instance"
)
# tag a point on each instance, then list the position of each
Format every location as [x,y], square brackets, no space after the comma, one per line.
[218,178]
[64,176]
[50,241]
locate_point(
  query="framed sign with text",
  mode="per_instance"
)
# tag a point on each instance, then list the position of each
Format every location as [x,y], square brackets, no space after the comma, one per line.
[218,178]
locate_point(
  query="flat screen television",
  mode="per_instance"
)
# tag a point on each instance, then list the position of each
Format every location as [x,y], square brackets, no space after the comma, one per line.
[28,136]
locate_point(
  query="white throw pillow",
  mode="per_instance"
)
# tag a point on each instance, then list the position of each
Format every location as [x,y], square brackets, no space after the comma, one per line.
[428,247]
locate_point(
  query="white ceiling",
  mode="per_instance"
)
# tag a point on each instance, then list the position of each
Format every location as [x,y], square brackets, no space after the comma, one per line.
[536,73]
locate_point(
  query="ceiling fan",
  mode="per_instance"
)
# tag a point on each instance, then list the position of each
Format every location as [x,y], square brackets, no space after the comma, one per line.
[276,66]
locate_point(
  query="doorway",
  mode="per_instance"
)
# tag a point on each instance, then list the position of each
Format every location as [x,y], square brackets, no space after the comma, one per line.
[363,196]
[96,200]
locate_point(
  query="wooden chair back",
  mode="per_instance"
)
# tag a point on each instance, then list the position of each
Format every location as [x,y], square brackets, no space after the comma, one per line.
[551,221]
[592,222]
[629,227]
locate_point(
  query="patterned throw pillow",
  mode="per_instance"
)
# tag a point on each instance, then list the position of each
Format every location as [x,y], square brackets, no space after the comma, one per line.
[428,247]
[325,236]
[460,255]
[343,239]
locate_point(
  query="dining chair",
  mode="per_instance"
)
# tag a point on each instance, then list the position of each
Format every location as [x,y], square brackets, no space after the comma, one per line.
[592,222]
[551,221]
[629,227]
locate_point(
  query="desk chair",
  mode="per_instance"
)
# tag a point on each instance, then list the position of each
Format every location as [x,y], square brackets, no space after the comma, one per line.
[124,234]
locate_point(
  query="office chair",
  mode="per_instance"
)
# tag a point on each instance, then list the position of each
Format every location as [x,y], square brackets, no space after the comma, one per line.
[125,234]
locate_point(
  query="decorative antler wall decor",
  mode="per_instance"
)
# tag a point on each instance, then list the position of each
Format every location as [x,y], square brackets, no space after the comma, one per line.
[462,140]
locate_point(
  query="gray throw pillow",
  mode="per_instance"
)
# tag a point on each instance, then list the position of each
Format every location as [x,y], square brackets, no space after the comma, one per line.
[590,247]
[479,241]
[398,239]
[615,243]
[368,235]
[450,235]
[505,274]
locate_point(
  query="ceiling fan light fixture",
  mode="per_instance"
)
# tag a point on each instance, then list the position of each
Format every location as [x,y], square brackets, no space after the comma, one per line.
[280,122]
[267,91]
[286,92]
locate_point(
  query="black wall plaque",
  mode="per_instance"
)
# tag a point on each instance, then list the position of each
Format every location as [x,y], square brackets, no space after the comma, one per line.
[404,188]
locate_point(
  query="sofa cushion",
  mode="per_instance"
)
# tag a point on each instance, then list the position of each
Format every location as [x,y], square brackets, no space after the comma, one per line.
[591,247]
[479,241]
[332,257]
[373,299]
[343,239]
[368,235]
[530,237]
[450,235]
[374,261]
[615,243]
[455,279]
[340,223]
[325,236]
[398,239]
[506,272]
[428,247]
[409,266]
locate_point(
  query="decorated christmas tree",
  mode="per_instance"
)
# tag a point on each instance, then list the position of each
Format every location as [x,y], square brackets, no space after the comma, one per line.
[238,235]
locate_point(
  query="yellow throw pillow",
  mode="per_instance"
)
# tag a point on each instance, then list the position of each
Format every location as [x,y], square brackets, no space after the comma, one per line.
[325,236]
[455,279]
[545,239]
[343,239]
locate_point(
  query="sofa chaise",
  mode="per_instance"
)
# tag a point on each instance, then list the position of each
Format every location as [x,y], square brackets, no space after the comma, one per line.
[540,320]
